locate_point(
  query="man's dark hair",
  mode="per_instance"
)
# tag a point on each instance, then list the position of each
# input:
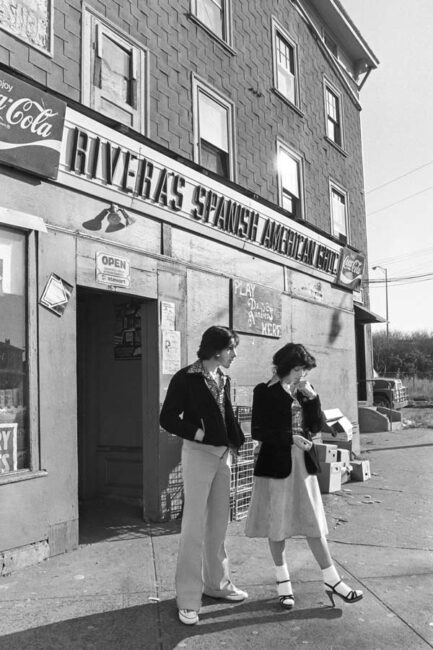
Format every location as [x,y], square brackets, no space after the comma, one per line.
[215,339]
[290,356]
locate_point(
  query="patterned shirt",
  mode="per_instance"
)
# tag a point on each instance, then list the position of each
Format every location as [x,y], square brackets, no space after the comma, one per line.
[215,385]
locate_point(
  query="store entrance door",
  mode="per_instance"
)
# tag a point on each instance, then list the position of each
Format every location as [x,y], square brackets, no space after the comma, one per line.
[114,334]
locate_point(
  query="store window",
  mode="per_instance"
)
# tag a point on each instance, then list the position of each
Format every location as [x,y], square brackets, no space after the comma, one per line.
[338,211]
[215,15]
[14,431]
[213,125]
[290,181]
[333,115]
[285,65]
[114,73]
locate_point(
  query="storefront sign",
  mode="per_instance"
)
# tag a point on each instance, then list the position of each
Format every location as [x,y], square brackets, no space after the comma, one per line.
[119,164]
[30,21]
[351,269]
[31,127]
[8,447]
[256,309]
[56,294]
[112,270]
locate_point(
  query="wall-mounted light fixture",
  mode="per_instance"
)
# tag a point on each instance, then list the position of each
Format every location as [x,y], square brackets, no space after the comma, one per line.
[117,219]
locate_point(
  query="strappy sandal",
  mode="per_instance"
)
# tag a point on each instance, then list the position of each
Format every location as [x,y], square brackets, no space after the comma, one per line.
[352,597]
[286,601]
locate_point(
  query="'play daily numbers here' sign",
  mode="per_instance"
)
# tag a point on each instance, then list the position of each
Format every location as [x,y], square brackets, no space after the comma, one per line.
[256,309]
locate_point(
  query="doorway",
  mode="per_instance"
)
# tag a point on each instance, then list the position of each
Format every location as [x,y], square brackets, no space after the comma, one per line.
[114,333]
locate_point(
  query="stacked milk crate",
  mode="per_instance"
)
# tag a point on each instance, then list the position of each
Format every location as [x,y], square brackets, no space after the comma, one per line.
[334,454]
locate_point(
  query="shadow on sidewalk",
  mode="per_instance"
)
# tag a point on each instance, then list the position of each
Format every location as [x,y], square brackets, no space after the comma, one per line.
[154,626]
[109,520]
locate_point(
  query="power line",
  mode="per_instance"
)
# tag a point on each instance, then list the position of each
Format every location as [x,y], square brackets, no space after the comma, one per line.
[397,178]
[380,281]
[406,198]
[398,258]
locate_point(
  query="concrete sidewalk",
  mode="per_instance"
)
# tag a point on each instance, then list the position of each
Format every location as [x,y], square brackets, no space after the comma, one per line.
[116,590]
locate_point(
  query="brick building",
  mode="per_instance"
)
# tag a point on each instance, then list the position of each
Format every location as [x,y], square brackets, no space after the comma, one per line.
[164,166]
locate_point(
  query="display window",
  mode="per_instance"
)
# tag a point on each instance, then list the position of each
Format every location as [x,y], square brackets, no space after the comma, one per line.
[14,429]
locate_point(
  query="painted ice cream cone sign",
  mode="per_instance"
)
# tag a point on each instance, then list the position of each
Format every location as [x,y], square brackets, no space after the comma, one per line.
[351,269]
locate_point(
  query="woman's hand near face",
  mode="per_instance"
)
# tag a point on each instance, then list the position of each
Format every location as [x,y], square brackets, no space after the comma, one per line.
[306,389]
[199,435]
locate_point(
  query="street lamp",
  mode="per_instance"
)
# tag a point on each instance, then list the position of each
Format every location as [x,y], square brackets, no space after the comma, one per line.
[386,299]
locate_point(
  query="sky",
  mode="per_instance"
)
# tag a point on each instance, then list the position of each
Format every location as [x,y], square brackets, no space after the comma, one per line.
[397,129]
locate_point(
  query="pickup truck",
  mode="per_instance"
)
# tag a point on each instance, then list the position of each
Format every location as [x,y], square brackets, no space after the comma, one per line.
[389,392]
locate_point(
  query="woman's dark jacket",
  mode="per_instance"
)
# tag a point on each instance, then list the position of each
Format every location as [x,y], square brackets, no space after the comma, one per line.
[188,394]
[272,426]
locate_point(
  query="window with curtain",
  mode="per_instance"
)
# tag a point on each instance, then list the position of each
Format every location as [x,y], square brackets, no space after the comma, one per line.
[290,181]
[338,211]
[214,14]
[214,128]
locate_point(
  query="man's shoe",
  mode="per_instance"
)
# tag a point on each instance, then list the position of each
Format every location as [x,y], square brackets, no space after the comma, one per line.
[188,616]
[232,594]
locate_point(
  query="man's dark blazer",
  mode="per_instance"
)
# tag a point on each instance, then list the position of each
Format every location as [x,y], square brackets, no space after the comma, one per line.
[272,426]
[189,405]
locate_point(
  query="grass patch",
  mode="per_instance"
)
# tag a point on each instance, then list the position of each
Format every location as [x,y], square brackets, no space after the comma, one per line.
[420,418]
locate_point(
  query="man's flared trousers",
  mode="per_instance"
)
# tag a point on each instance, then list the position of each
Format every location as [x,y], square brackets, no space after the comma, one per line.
[202,562]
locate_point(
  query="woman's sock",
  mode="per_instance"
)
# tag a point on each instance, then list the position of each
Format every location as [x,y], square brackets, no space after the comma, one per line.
[283,577]
[331,577]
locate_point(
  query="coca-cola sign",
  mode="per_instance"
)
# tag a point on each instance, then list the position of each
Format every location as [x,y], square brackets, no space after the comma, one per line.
[31,127]
[351,269]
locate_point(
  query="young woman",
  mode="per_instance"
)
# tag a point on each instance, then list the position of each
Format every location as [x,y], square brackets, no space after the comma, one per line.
[198,409]
[286,499]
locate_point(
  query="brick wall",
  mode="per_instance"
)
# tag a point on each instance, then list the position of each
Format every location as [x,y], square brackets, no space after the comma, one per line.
[179,47]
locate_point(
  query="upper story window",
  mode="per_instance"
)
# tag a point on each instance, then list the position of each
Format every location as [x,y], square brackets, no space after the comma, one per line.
[333,115]
[213,131]
[285,65]
[290,181]
[215,15]
[338,198]
[114,73]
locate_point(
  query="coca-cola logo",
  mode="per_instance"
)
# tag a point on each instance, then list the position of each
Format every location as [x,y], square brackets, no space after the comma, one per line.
[353,265]
[27,114]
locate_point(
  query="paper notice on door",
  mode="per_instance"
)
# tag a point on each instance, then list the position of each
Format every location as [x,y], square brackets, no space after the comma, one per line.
[170,352]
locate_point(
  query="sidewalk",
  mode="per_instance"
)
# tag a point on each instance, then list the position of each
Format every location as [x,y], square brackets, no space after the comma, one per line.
[116,590]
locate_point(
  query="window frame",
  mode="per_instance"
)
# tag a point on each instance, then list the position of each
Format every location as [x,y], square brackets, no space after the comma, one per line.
[226,24]
[32,379]
[200,86]
[279,31]
[282,147]
[338,189]
[329,87]
[94,27]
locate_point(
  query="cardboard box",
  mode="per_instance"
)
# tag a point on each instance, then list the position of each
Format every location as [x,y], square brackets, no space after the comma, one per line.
[360,470]
[325,453]
[338,425]
[343,444]
[343,456]
[346,470]
[330,477]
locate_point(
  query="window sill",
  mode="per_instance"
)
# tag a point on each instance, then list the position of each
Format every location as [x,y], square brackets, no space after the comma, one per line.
[288,102]
[336,146]
[216,38]
[22,475]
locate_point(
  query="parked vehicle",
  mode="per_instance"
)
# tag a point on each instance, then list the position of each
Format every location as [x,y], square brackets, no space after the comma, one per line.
[389,392]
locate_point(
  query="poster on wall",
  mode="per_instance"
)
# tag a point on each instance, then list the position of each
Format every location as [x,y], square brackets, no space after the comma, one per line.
[29,20]
[256,309]
[170,352]
[127,332]
[31,126]
[8,447]
[168,315]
